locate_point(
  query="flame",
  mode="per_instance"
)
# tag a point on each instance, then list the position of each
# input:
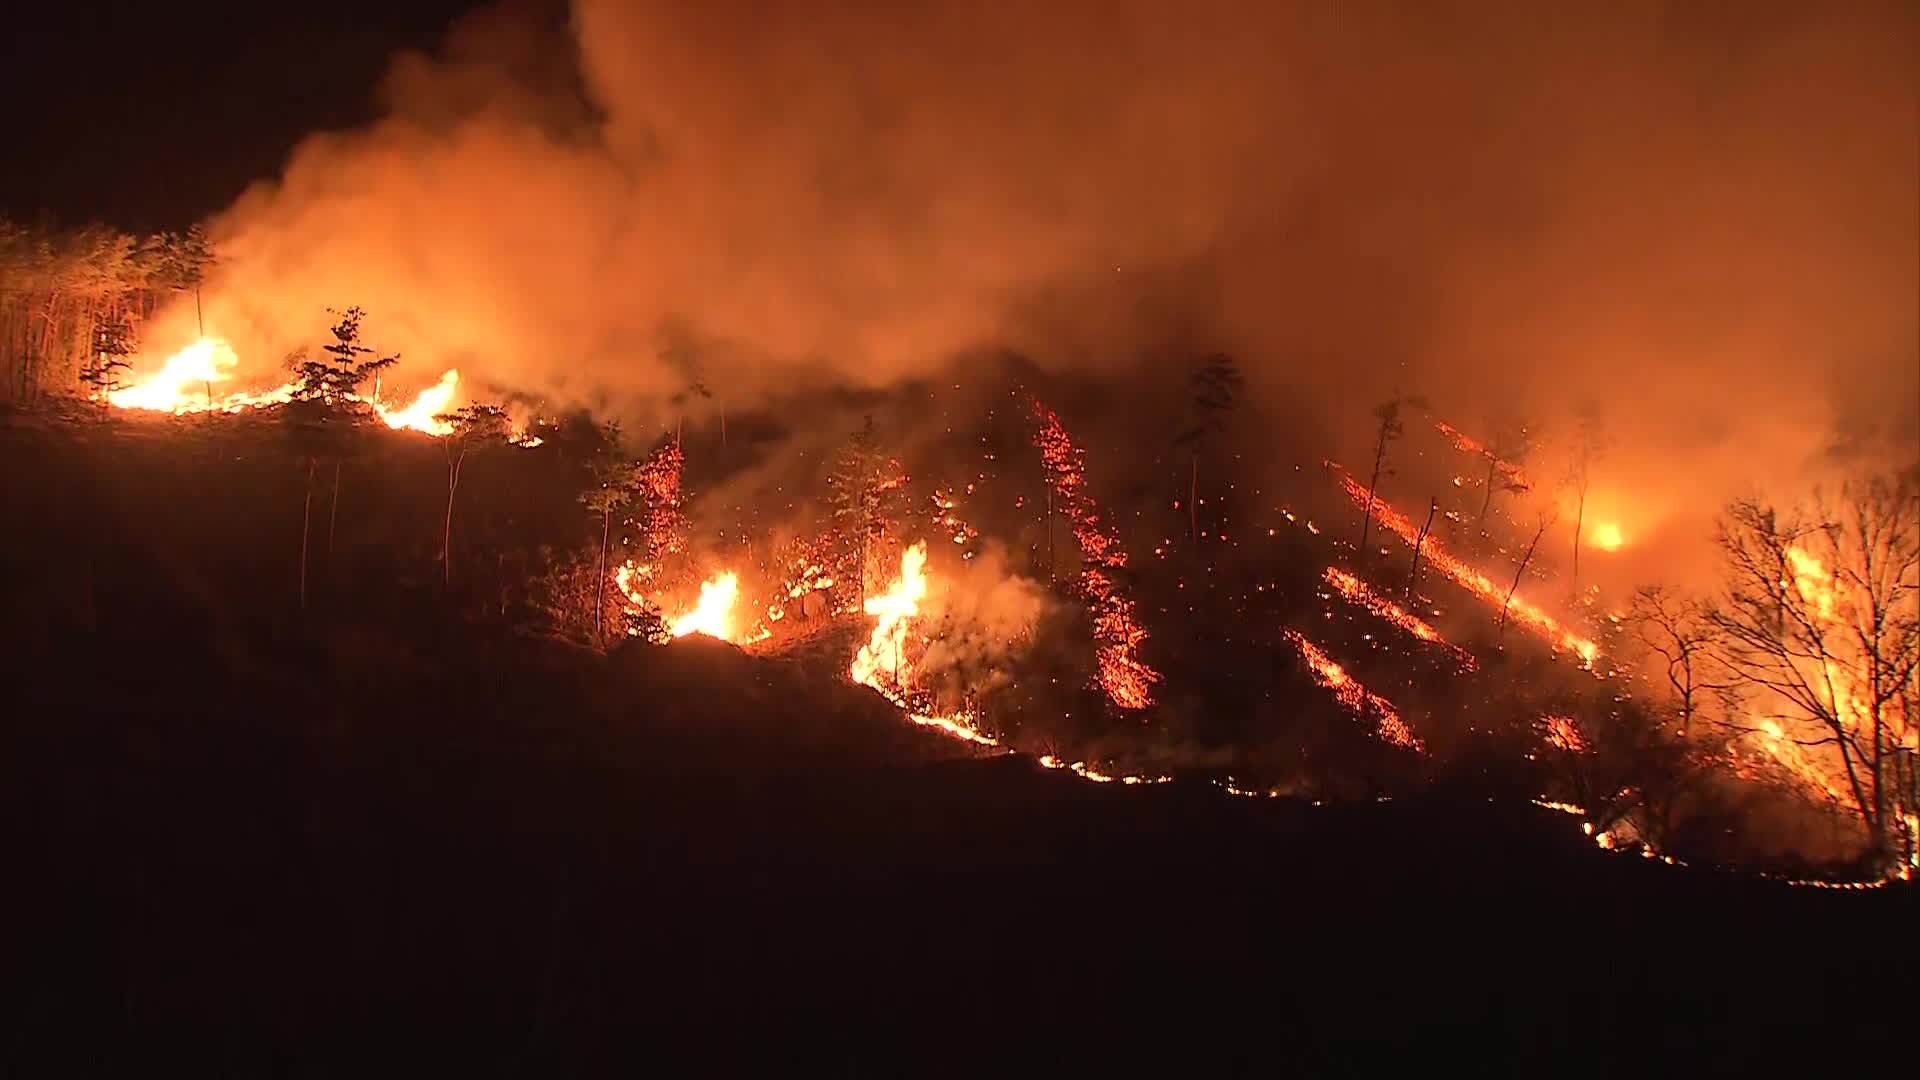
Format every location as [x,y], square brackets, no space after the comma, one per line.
[713,615]
[186,379]
[1117,634]
[1562,732]
[881,663]
[1606,536]
[1436,555]
[882,654]
[1359,592]
[186,382]
[1353,695]
[429,403]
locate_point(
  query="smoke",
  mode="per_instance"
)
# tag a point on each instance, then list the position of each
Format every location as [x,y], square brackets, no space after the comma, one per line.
[982,618]
[1697,222]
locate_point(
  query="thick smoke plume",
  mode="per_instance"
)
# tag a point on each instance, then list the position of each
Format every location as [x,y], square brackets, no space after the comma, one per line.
[1699,223]
[982,617]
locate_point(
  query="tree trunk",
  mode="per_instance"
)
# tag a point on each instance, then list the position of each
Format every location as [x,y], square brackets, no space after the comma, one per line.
[1050,563]
[1193,505]
[1579,525]
[333,509]
[306,519]
[1518,574]
[600,579]
[1373,489]
[1413,575]
[446,529]
[1487,503]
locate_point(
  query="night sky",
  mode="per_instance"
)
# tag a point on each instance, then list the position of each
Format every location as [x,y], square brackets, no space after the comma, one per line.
[193,100]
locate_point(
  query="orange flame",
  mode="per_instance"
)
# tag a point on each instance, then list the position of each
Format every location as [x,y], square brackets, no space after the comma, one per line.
[1434,554]
[1359,592]
[419,415]
[881,663]
[1353,695]
[1117,634]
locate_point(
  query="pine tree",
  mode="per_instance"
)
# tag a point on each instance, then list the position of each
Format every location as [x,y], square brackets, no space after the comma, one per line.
[867,490]
[1215,384]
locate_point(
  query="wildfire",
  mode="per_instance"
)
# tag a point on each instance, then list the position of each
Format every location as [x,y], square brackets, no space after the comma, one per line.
[1434,554]
[1117,633]
[419,415]
[1359,592]
[1461,441]
[1562,732]
[713,615]
[1353,695]
[187,383]
[186,380]
[881,663]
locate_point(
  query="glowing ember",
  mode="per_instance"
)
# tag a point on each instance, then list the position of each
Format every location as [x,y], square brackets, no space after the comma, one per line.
[420,413]
[1606,536]
[1432,553]
[1351,694]
[1359,592]
[713,615]
[1564,733]
[1117,634]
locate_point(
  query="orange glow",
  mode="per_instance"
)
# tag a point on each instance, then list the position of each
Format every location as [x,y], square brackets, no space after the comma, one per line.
[1606,536]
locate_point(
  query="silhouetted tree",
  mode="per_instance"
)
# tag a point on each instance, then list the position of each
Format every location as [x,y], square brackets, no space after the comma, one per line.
[866,489]
[1546,522]
[1391,428]
[324,410]
[1506,454]
[1588,444]
[615,481]
[1215,385]
[112,344]
[475,428]
[1419,542]
[1680,631]
[1821,621]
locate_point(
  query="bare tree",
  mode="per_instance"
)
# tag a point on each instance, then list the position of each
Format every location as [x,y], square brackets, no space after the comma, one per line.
[475,428]
[1413,575]
[1589,443]
[1216,384]
[1821,616]
[1681,631]
[1391,428]
[1512,444]
[1546,522]
[615,482]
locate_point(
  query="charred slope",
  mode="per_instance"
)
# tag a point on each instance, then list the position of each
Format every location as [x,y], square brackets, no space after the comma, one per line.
[495,853]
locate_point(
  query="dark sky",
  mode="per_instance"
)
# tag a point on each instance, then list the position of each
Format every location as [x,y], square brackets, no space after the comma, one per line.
[152,116]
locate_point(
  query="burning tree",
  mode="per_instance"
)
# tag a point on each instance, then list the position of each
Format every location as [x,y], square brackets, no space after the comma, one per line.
[866,492]
[1215,385]
[1506,456]
[112,344]
[1821,621]
[475,428]
[615,482]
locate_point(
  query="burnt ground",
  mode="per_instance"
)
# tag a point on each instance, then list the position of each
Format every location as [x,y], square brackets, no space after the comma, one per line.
[381,838]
